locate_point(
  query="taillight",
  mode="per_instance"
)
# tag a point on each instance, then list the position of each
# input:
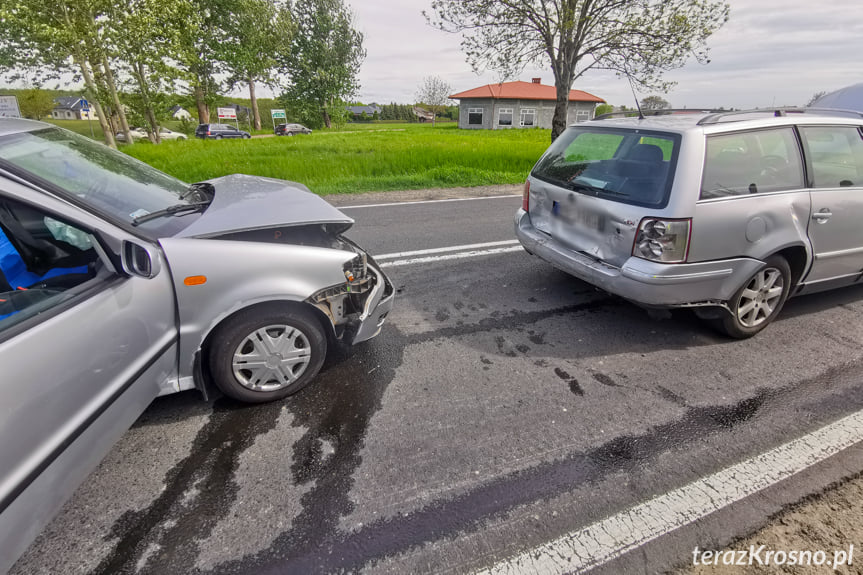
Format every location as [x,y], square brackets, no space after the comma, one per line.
[208,132]
[665,241]
[525,196]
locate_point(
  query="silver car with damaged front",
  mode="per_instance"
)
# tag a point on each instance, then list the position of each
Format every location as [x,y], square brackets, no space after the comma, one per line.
[729,214]
[119,283]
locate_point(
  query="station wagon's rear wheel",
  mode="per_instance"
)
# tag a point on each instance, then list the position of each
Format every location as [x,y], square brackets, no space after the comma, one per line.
[267,353]
[759,301]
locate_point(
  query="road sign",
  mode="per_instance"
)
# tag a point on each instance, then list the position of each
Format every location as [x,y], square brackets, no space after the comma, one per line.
[278,114]
[9,107]
[85,105]
[227,114]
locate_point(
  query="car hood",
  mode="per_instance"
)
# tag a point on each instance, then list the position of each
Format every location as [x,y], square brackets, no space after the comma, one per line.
[243,203]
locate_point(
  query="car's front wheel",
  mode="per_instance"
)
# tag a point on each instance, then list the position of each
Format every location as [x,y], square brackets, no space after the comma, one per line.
[267,353]
[246,136]
[759,300]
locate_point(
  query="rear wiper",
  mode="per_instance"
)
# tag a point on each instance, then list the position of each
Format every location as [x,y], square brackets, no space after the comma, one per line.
[595,189]
[171,211]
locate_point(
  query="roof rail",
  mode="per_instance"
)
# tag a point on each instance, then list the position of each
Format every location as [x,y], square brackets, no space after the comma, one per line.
[777,112]
[663,112]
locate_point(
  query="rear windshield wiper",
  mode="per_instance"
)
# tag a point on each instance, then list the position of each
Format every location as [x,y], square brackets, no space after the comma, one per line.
[576,185]
[171,211]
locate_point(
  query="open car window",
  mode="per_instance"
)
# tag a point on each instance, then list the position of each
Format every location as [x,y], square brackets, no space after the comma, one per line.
[44,261]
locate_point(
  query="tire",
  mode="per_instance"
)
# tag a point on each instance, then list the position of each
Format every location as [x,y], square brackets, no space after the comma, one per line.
[246,136]
[257,335]
[289,133]
[219,137]
[755,295]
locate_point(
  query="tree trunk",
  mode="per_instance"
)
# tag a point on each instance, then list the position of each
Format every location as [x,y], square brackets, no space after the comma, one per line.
[327,122]
[144,91]
[561,109]
[200,102]
[91,93]
[255,114]
[112,89]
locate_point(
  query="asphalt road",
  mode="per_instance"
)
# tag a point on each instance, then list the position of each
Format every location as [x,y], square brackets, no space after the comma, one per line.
[504,406]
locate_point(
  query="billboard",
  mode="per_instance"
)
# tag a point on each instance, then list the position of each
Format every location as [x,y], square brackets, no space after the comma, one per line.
[278,114]
[9,107]
[227,114]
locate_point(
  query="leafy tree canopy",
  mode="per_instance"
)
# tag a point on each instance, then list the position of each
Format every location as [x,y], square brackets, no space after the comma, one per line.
[638,38]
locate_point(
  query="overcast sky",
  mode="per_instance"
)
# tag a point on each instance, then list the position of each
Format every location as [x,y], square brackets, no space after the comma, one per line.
[771,52]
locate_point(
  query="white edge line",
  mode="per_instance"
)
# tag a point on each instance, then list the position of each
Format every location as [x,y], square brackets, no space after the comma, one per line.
[425,202]
[458,256]
[610,538]
[444,250]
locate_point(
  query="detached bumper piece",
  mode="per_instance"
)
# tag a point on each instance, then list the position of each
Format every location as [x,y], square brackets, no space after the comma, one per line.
[357,308]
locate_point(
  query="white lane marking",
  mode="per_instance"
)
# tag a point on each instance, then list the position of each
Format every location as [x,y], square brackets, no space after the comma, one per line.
[425,202]
[458,256]
[605,540]
[444,250]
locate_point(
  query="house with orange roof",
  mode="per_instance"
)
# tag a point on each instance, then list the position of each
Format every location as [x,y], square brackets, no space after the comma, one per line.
[519,105]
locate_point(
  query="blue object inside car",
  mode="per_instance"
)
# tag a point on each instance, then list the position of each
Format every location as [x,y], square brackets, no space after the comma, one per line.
[17,276]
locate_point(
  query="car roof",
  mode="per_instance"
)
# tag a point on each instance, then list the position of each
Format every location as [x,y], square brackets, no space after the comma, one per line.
[19,125]
[713,122]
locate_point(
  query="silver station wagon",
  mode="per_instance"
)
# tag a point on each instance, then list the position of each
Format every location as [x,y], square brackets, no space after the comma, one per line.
[726,213]
[120,284]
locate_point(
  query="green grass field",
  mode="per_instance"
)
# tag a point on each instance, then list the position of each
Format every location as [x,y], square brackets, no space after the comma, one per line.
[376,157]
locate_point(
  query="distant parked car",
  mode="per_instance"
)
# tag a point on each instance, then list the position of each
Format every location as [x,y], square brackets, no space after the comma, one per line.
[166,134]
[291,129]
[141,134]
[137,134]
[219,131]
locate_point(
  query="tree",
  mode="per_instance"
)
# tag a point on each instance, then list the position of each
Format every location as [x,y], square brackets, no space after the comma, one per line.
[56,37]
[198,56]
[639,38]
[325,58]
[434,94]
[258,37]
[603,109]
[145,37]
[35,104]
[815,97]
[654,103]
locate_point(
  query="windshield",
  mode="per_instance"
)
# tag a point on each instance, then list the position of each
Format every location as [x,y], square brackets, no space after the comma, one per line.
[110,182]
[629,166]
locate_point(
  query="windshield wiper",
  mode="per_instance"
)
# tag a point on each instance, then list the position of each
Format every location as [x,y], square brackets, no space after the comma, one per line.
[205,188]
[171,211]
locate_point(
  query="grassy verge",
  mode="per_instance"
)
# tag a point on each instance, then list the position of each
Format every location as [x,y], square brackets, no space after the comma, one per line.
[382,157]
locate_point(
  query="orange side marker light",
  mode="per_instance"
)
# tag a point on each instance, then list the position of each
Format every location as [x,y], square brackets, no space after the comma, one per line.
[195,280]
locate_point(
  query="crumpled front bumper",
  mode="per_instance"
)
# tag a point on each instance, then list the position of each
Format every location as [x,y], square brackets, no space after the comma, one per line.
[644,282]
[378,305]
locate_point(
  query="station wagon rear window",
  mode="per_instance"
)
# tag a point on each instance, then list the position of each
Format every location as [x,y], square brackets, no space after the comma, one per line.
[629,166]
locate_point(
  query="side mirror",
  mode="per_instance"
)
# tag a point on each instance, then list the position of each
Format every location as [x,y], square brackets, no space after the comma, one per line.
[139,260]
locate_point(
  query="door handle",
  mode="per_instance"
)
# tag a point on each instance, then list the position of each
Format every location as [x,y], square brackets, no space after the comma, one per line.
[822,216]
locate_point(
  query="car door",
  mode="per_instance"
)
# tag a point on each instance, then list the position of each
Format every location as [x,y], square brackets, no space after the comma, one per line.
[834,157]
[90,345]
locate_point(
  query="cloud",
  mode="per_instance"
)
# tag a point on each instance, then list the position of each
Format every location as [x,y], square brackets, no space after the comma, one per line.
[771,52]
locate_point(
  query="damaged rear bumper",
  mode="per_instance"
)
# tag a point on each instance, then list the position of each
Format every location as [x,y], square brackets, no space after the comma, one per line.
[643,282]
